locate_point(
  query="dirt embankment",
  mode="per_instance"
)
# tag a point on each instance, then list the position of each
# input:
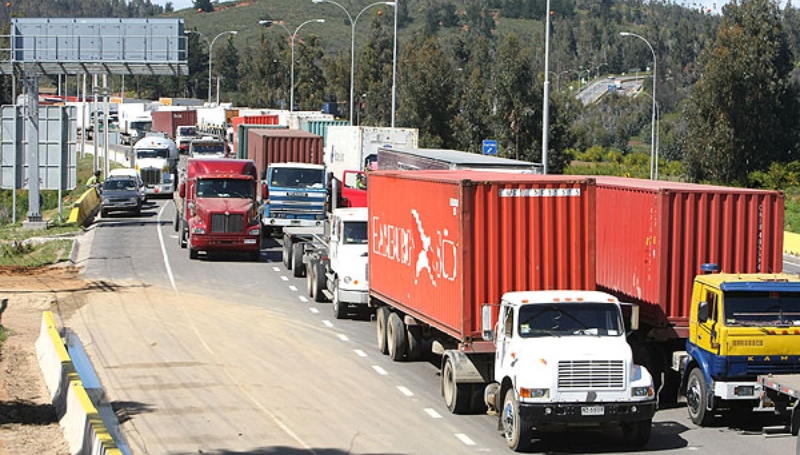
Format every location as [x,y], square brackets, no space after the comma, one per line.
[28,422]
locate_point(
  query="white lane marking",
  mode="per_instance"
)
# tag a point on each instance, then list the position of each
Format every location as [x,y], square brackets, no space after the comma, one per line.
[164,251]
[303,299]
[432,412]
[465,439]
[293,288]
[313,310]
[277,269]
[380,370]
[405,391]
[360,353]
[284,278]
[327,323]
[343,337]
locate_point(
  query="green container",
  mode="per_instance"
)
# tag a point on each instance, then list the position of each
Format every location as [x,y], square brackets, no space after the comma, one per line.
[320,127]
[241,136]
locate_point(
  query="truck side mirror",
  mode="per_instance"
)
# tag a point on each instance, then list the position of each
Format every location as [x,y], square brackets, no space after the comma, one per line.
[702,312]
[487,331]
[633,321]
[182,190]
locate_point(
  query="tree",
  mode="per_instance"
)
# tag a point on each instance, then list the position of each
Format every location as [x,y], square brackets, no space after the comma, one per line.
[374,73]
[265,75]
[227,67]
[204,6]
[428,87]
[309,79]
[197,61]
[743,112]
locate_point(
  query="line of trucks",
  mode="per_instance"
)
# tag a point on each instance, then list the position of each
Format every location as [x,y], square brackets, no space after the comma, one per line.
[552,302]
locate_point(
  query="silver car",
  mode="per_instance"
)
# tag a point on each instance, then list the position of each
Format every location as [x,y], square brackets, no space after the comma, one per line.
[120,195]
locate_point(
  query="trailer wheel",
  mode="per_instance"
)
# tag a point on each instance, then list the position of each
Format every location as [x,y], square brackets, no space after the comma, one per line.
[414,337]
[456,396]
[381,321]
[298,268]
[339,308]
[396,337]
[320,281]
[697,399]
[517,431]
[287,252]
[637,433]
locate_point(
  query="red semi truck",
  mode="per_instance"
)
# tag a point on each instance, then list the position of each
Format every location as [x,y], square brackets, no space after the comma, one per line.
[497,272]
[216,207]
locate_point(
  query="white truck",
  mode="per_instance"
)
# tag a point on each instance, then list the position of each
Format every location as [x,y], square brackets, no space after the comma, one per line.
[156,159]
[336,263]
[133,128]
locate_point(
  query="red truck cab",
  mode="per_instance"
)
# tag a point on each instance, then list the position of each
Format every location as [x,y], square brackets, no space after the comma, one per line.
[217,208]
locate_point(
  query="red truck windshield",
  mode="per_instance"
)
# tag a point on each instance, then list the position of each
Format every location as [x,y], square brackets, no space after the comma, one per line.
[225,188]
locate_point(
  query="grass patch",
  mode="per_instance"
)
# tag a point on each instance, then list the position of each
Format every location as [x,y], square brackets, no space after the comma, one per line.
[791,220]
[34,254]
[3,335]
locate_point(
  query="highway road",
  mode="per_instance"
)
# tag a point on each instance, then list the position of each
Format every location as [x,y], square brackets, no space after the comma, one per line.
[226,356]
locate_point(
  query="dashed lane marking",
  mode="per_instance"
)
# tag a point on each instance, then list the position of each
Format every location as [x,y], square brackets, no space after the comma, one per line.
[380,370]
[360,353]
[303,299]
[465,439]
[284,278]
[313,310]
[343,337]
[432,412]
[405,391]
[277,269]
[293,288]
[327,323]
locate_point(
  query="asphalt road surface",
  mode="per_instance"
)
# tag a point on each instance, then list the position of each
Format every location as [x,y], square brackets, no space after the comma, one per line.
[225,356]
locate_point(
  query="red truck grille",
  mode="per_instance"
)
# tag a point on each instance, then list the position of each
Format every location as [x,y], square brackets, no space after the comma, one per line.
[221,222]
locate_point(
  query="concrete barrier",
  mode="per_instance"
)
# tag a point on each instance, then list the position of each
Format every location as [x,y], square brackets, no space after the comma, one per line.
[83,427]
[85,207]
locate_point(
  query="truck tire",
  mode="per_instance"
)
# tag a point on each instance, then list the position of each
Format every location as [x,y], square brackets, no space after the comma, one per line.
[192,253]
[320,282]
[287,252]
[310,289]
[637,434]
[183,238]
[456,396]
[697,399]
[517,431]
[381,321]
[414,337]
[298,268]
[176,223]
[396,337]
[339,308]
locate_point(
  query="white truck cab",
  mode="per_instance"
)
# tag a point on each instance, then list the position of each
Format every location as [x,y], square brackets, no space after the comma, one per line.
[562,360]
[348,259]
[156,163]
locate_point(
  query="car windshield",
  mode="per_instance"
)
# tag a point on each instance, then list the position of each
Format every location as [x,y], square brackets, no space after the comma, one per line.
[141,126]
[152,153]
[355,232]
[762,308]
[208,149]
[300,178]
[225,188]
[119,185]
[569,319]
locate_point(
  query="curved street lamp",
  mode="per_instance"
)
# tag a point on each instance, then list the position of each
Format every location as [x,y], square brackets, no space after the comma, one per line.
[292,37]
[210,49]
[653,122]
[353,43]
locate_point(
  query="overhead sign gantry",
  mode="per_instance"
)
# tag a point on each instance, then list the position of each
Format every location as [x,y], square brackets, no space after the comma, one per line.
[42,46]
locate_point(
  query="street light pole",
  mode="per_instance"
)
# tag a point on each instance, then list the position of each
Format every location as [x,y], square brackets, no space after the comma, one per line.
[353,43]
[394,66]
[210,48]
[292,37]
[653,152]
[210,59]
[546,102]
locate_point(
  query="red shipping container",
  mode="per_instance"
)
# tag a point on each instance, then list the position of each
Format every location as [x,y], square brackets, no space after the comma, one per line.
[266,146]
[442,243]
[653,236]
[169,121]
[270,119]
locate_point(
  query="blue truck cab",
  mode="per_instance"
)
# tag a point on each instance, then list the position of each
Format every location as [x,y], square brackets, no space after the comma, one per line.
[295,194]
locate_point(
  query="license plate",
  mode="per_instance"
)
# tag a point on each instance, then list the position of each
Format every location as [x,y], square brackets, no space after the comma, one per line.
[249,241]
[592,410]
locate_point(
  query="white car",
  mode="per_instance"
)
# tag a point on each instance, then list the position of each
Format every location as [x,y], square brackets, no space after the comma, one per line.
[129,173]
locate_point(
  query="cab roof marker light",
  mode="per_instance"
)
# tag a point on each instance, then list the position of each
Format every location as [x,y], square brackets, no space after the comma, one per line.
[709,267]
